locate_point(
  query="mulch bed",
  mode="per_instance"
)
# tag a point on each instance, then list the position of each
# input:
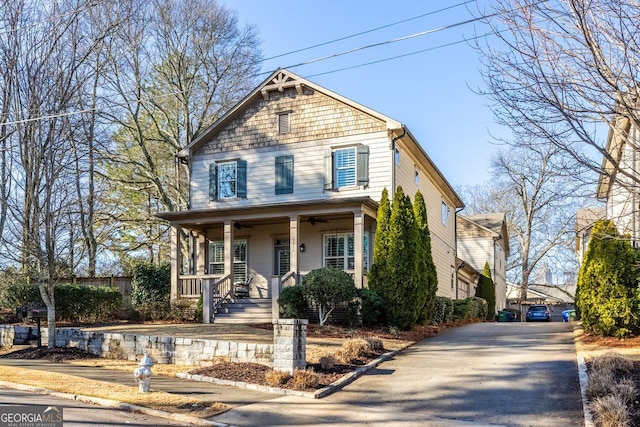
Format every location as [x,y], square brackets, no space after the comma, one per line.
[255,373]
[57,354]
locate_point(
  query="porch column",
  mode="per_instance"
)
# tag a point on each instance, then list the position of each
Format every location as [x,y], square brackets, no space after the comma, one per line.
[358,247]
[175,260]
[228,249]
[294,238]
[201,251]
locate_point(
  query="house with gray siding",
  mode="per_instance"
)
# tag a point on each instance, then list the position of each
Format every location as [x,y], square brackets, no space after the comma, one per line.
[485,239]
[288,181]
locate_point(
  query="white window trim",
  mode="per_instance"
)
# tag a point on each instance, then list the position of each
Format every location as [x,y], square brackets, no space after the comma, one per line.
[220,181]
[354,167]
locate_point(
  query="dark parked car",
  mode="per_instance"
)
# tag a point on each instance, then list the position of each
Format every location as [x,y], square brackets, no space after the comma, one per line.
[539,313]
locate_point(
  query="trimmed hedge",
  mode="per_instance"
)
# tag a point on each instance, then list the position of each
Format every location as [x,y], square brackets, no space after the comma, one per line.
[74,303]
[443,311]
[469,308]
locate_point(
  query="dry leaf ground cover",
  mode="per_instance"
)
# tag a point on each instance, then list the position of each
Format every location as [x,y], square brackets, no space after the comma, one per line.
[592,346]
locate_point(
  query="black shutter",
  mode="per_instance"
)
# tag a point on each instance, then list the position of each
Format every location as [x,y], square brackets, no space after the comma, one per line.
[242,179]
[362,165]
[284,174]
[213,182]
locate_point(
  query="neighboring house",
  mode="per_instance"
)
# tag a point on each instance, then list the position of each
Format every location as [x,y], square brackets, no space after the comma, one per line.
[619,178]
[543,294]
[482,239]
[585,218]
[289,181]
[558,298]
[467,279]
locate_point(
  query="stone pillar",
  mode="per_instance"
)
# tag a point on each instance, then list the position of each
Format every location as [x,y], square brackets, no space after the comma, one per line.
[289,344]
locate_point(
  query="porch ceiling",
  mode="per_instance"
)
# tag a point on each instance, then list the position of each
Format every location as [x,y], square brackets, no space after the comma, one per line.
[319,210]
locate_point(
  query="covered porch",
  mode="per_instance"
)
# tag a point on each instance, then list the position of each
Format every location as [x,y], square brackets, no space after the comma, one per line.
[252,252]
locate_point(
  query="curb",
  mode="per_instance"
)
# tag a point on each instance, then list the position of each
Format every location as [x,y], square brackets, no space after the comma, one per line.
[114,404]
[318,394]
[583,378]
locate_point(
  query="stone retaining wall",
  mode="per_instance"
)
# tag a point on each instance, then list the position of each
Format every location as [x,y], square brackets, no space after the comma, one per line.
[179,351]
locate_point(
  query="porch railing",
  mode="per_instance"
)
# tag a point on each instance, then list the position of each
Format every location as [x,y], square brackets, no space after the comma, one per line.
[190,286]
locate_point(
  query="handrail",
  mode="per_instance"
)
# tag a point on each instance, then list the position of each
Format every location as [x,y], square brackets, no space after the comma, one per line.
[220,291]
[285,280]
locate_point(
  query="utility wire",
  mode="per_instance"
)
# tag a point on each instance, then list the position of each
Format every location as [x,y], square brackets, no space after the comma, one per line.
[431,31]
[404,55]
[396,40]
[367,31]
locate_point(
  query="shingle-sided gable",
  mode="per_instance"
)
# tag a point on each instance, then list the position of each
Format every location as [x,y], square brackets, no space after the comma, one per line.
[313,115]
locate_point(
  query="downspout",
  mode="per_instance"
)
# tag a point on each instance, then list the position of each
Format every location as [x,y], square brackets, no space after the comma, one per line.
[455,236]
[393,160]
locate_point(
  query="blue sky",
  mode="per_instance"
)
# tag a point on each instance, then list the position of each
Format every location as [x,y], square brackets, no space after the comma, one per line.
[432,92]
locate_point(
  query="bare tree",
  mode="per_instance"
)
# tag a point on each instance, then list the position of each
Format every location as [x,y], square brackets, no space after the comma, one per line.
[564,71]
[534,185]
[184,64]
[52,50]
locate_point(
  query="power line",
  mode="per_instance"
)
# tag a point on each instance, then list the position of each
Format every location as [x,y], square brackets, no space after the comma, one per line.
[367,31]
[404,38]
[403,55]
[396,40]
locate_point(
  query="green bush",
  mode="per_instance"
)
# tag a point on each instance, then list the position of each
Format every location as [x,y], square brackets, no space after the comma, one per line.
[150,283]
[443,312]
[469,308]
[198,313]
[20,295]
[372,307]
[326,288]
[486,290]
[74,303]
[607,286]
[292,303]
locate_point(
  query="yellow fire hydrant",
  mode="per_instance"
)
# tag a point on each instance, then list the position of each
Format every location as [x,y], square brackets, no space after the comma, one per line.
[143,374]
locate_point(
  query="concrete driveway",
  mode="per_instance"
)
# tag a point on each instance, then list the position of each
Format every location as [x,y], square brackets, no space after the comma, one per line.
[511,374]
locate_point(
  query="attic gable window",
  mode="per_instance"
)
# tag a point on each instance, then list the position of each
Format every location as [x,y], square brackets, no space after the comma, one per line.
[284,122]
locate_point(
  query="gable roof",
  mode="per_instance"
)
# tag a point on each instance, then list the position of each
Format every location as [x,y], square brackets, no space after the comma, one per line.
[494,223]
[282,79]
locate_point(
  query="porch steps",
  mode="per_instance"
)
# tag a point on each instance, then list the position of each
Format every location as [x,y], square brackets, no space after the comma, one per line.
[245,310]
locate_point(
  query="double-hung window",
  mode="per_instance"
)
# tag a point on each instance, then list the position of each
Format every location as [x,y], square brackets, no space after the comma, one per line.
[216,259]
[346,167]
[228,180]
[339,251]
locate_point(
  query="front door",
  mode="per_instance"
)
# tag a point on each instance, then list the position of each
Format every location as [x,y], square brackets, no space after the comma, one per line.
[282,259]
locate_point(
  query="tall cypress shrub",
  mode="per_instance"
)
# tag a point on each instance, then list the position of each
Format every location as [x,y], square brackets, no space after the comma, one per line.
[403,265]
[607,286]
[427,275]
[486,290]
[379,272]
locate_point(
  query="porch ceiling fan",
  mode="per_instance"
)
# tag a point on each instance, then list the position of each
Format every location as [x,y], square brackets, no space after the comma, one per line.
[312,220]
[238,225]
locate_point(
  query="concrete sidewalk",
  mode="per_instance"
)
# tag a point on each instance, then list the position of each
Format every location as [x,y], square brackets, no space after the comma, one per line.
[203,391]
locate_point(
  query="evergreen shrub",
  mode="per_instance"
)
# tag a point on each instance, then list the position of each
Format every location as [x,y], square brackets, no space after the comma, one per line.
[443,310]
[292,303]
[150,283]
